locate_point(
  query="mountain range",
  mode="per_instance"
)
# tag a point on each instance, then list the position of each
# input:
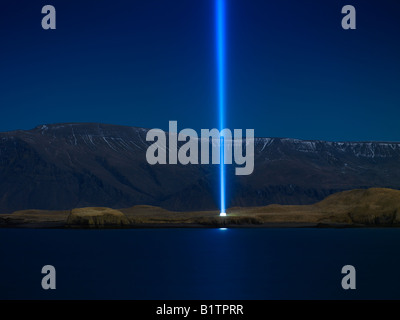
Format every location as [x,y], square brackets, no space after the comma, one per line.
[71,165]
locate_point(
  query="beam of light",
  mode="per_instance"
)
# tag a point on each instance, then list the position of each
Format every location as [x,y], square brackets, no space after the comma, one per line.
[220,45]
[222,178]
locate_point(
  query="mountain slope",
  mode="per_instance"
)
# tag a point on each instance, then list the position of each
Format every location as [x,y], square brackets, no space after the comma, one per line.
[64,166]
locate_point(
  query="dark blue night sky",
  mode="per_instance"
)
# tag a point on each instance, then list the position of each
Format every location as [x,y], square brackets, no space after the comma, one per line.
[292,71]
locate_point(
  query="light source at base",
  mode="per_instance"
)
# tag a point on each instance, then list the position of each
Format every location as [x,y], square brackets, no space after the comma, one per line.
[222,214]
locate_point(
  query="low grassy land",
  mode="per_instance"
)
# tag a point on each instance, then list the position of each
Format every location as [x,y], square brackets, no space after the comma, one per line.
[34,218]
[96,217]
[361,207]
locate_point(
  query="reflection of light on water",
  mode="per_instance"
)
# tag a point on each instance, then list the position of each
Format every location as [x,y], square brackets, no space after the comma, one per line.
[223,229]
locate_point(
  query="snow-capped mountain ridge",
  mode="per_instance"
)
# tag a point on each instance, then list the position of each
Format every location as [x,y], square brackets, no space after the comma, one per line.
[64,166]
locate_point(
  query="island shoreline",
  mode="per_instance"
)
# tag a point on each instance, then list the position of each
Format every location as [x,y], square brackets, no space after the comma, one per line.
[272,225]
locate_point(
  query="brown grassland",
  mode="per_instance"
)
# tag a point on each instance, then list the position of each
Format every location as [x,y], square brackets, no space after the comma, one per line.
[360,207]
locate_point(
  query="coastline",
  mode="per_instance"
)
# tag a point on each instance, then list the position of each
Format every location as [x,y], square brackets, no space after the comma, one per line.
[374,207]
[269,225]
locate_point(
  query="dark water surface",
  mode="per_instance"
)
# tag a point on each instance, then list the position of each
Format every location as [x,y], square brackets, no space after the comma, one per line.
[200,263]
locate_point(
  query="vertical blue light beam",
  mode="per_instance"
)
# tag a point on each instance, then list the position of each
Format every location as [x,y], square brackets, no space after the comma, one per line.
[220,31]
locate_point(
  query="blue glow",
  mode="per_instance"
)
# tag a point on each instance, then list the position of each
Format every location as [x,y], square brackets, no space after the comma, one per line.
[220,26]
[222,177]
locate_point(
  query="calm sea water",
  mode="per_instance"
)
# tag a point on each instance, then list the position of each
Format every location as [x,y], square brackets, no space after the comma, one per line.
[200,263]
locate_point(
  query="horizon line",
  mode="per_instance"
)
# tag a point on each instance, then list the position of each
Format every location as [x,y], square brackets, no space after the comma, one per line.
[144,128]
